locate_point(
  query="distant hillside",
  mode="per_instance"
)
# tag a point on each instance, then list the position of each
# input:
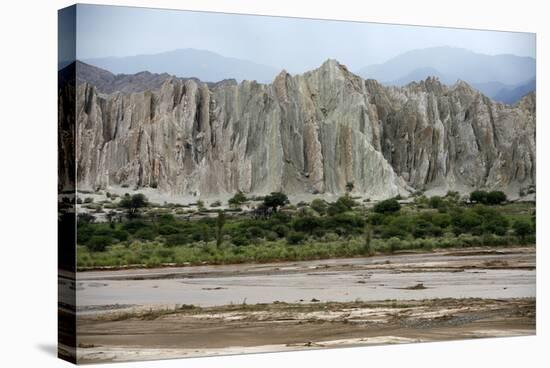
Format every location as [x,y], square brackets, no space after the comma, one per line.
[455,63]
[512,95]
[204,65]
[497,76]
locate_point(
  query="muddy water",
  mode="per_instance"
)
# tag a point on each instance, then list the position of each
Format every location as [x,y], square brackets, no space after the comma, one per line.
[505,273]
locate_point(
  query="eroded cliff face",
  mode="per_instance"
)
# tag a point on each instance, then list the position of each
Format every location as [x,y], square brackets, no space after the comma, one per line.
[309,133]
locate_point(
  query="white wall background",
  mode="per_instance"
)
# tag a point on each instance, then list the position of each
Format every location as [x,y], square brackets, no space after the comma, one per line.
[28,149]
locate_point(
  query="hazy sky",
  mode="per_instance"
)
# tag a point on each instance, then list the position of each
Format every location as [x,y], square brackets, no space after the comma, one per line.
[294,44]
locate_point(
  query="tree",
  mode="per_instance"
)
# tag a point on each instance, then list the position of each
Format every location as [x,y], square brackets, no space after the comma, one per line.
[492,198]
[478,196]
[295,237]
[496,197]
[436,202]
[522,228]
[319,206]
[306,224]
[387,206]
[275,200]
[220,221]
[133,204]
[349,186]
[238,199]
[98,243]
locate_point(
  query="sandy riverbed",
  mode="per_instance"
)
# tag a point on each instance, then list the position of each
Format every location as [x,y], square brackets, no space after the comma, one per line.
[212,310]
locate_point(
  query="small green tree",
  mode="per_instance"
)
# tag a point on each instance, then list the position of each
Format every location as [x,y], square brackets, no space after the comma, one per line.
[295,237]
[436,202]
[343,204]
[349,186]
[98,243]
[319,206]
[496,197]
[387,206]
[133,204]
[522,228]
[275,200]
[478,196]
[238,199]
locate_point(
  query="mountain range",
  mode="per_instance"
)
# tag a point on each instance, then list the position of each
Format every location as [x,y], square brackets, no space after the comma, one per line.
[504,78]
[204,65]
[310,133]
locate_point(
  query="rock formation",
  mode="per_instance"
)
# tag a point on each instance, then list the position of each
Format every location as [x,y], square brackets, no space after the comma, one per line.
[309,133]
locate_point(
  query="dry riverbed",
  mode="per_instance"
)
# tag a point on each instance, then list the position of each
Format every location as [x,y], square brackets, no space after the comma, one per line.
[212,310]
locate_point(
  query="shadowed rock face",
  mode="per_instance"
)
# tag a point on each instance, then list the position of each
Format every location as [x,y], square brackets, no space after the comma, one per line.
[310,133]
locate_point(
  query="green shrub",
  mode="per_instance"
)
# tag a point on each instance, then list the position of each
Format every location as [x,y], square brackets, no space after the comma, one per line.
[275,200]
[306,224]
[394,244]
[295,237]
[176,239]
[491,198]
[319,205]
[98,243]
[496,197]
[281,230]
[133,204]
[387,206]
[145,234]
[523,228]
[238,199]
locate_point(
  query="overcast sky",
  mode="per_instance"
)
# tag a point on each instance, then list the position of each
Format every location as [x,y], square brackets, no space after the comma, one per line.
[294,44]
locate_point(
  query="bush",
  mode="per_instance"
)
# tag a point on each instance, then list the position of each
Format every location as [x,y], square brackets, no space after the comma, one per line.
[167,229]
[98,243]
[133,204]
[238,199]
[523,228]
[436,202]
[255,232]
[496,224]
[134,225]
[467,222]
[343,204]
[496,197]
[275,200]
[280,230]
[306,224]
[394,244]
[177,239]
[441,220]
[295,237]
[491,198]
[145,234]
[387,206]
[319,206]
[478,196]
